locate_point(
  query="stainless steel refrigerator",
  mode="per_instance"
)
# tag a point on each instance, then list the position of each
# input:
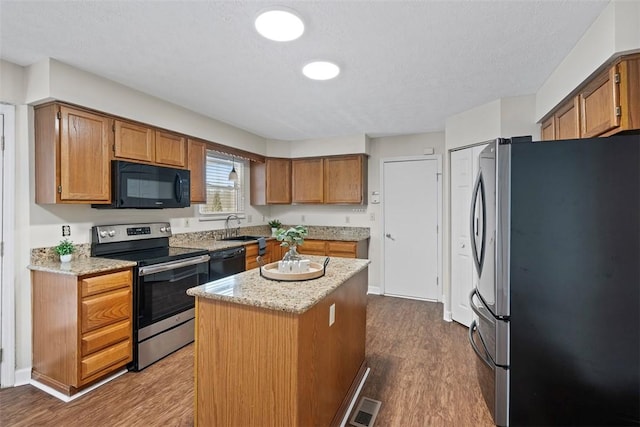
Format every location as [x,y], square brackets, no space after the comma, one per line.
[556,243]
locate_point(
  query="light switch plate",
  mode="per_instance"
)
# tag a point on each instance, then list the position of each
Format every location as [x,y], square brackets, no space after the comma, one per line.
[332,314]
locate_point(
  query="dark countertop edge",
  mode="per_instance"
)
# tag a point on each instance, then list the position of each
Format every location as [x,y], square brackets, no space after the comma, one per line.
[281,308]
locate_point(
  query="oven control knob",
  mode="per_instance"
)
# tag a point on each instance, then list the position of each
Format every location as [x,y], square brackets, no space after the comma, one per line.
[165,229]
[103,233]
[112,233]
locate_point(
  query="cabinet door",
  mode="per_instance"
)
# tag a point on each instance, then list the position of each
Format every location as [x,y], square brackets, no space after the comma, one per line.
[278,181]
[343,179]
[548,129]
[567,120]
[170,149]
[84,156]
[134,142]
[598,102]
[307,176]
[197,166]
[250,256]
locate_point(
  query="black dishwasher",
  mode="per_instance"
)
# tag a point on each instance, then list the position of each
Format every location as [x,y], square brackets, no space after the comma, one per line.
[226,262]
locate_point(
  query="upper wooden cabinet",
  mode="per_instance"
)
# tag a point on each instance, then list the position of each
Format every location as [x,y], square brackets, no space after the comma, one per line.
[307,180]
[271,182]
[603,105]
[345,179]
[171,149]
[146,144]
[133,141]
[72,155]
[197,166]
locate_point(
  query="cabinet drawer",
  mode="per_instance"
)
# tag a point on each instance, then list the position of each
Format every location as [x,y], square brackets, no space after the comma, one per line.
[119,353]
[105,337]
[106,282]
[342,249]
[105,309]
[313,247]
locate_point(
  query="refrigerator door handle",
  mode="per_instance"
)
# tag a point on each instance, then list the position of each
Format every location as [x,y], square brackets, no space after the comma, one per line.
[472,328]
[478,193]
[475,309]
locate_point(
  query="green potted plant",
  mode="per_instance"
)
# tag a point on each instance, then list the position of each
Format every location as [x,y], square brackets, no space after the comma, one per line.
[65,248]
[292,238]
[274,224]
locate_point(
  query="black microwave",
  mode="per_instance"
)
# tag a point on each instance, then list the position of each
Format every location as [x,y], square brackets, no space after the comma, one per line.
[140,186]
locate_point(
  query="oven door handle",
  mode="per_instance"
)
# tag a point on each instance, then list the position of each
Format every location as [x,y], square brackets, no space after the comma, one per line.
[166,266]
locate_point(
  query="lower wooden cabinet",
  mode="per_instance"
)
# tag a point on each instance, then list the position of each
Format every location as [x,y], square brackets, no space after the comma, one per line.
[335,248]
[272,253]
[82,327]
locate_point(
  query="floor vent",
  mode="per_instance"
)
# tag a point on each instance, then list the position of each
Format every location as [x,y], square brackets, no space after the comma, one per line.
[365,413]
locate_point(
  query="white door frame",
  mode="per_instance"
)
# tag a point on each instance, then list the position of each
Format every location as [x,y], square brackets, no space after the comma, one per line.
[438,159]
[7,281]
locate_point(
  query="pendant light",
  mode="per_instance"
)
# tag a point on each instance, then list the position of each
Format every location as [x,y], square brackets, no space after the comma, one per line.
[233,175]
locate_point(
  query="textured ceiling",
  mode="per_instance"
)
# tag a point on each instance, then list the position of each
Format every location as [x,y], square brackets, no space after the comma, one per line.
[406,65]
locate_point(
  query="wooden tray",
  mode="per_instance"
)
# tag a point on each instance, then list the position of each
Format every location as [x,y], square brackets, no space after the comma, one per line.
[316,270]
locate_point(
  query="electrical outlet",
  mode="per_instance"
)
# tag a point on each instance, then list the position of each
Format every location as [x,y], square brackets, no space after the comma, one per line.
[332,314]
[66,230]
[347,219]
[302,218]
[186,222]
[249,218]
[372,216]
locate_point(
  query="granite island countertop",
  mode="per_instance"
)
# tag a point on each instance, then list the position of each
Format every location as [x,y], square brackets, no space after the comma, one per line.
[249,288]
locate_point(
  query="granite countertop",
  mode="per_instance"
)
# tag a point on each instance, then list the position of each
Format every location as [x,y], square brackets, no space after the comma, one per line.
[249,288]
[80,266]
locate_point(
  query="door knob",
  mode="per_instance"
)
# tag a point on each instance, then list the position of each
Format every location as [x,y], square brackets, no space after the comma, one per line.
[388,236]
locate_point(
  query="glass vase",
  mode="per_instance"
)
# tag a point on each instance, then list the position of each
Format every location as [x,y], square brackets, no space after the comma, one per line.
[292,254]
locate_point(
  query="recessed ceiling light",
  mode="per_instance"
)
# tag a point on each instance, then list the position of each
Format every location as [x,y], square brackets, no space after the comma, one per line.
[279,25]
[321,70]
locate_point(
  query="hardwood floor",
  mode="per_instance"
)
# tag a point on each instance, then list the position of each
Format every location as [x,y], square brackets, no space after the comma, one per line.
[422,370]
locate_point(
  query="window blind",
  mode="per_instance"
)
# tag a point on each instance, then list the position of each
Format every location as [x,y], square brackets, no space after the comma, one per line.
[223,196]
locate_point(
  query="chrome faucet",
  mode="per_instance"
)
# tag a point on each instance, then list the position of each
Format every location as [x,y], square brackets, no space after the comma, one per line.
[227,230]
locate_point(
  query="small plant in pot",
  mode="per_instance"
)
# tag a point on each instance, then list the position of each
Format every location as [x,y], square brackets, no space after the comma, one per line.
[274,224]
[65,248]
[292,238]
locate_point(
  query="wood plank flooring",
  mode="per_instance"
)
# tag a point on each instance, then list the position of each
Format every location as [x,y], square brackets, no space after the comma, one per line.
[422,370]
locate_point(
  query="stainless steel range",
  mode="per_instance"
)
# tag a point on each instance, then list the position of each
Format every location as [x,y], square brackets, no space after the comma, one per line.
[163,312]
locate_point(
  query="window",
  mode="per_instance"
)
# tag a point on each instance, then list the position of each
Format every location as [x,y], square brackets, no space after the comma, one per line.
[224,197]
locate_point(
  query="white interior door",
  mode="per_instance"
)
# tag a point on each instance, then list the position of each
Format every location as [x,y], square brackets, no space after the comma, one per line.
[464,168]
[411,221]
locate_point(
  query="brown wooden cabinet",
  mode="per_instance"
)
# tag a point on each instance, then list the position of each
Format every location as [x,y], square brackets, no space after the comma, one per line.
[273,252]
[271,182]
[134,142]
[345,179]
[335,248]
[171,149]
[197,166]
[138,142]
[82,327]
[330,180]
[307,177]
[605,104]
[72,155]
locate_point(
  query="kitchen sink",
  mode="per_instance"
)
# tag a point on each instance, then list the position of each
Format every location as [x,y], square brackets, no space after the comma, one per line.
[242,238]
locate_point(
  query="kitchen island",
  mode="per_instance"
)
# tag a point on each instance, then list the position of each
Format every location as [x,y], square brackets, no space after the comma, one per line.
[280,353]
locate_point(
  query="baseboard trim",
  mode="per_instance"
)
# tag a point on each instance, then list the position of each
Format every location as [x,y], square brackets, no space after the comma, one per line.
[447,316]
[22,377]
[354,399]
[55,393]
[374,290]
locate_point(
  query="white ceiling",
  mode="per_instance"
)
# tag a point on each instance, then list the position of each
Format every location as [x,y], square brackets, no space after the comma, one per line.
[406,65]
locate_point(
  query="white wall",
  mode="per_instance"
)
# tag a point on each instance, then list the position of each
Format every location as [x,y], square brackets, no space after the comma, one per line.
[506,117]
[617,29]
[359,216]
[40,225]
